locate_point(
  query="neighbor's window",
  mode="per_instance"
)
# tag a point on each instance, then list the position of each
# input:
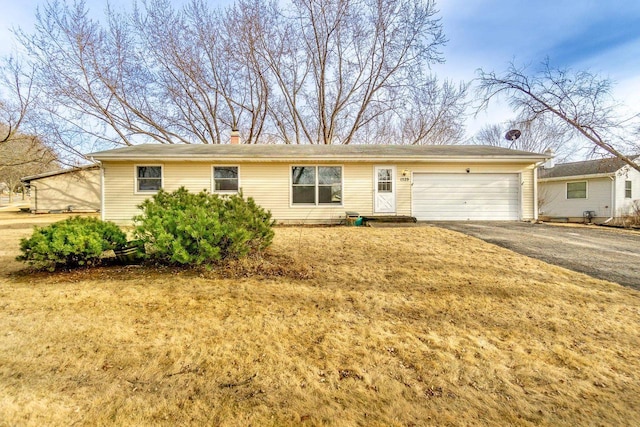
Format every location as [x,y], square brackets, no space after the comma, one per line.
[627,190]
[577,190]
[149,178]
[225,178]
[316,185]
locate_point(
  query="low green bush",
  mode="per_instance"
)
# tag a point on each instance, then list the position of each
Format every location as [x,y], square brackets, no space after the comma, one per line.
[70,243]
[198,228]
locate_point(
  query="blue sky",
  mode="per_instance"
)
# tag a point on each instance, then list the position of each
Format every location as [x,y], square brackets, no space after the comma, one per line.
[602,36]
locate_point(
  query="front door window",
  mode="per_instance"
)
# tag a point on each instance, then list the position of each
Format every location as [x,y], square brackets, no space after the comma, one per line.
[385,181]
[384,190]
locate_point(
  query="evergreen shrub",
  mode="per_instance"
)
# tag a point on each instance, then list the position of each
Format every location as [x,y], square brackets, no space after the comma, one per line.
[74,242]
[198,228]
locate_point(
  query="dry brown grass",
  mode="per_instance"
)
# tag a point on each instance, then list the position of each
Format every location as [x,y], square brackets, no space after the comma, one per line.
[392,326]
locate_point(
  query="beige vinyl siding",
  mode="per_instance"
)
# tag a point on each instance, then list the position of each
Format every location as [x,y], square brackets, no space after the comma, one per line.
[121,197]
[270,185]
[79,190]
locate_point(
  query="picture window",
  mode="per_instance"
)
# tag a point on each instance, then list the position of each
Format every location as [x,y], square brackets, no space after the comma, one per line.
[316,185]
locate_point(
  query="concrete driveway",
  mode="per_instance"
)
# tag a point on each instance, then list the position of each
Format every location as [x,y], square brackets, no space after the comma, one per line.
[605,253]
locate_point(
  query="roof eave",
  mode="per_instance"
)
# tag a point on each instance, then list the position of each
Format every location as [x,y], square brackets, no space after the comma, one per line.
[352,159]
[59,172]
[577,177]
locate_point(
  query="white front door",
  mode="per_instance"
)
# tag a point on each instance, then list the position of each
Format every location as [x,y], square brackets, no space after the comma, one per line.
[384,192]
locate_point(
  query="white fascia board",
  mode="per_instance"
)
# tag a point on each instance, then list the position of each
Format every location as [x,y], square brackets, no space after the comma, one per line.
[342,159]
[577,177]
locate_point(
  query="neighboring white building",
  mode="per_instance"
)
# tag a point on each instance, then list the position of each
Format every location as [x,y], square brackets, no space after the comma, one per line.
[594,190]
[71,190]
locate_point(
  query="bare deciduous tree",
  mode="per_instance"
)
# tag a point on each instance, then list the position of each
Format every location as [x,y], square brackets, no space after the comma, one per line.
[537,136]
[17,98]
[363,57]
[23,155]
[307,71]
[434,115]
[579,103]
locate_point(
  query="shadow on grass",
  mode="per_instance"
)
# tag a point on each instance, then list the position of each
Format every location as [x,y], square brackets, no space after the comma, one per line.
[266,266]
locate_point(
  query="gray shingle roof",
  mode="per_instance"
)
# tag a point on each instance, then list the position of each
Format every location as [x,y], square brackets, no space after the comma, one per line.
[590,167]
[262,152]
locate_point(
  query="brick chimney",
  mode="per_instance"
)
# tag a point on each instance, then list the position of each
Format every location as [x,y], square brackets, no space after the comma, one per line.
[235,137]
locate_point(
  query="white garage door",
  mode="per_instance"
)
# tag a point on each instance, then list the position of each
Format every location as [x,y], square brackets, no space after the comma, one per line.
[466,196]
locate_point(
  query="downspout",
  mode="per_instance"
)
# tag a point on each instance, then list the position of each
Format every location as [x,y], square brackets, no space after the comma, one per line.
[536,208]
[102,214]
[613,199]
[35,210]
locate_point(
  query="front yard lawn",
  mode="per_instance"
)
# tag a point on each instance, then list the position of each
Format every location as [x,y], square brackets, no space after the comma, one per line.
[352,326]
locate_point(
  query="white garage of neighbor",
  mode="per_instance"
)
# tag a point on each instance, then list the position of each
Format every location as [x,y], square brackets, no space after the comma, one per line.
[466,196]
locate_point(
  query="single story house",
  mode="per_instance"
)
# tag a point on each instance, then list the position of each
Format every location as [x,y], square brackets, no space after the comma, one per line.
[319,183]
[71,190]
[594,191]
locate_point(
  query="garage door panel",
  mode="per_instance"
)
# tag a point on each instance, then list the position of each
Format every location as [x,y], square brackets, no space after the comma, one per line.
[437,210]
[469,196]
[468,189]
[494,203]
[466,196]
[464,177]
[489,186]
[468,184]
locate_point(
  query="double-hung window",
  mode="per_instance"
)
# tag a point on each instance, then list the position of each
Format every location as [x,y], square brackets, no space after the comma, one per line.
[225,179]
[627,190]
[316,185]
[148,178]
[577,190]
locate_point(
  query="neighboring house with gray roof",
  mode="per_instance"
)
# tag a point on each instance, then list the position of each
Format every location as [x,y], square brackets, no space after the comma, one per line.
[71,190]
[320,183]
[599,191]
